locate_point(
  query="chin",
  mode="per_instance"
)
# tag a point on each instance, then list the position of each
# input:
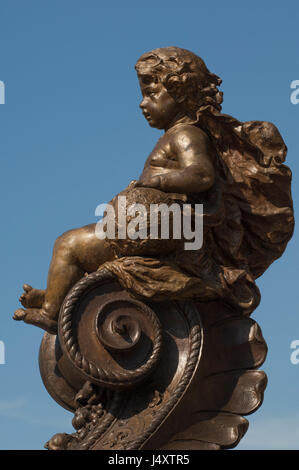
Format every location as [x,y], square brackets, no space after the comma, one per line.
[152,124]
[155,125]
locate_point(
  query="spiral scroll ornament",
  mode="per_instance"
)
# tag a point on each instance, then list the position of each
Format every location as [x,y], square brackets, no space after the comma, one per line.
[124,331]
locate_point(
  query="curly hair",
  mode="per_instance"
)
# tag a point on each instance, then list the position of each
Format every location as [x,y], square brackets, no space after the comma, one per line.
[185,77]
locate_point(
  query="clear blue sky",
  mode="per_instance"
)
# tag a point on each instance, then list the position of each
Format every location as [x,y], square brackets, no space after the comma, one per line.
[72,136]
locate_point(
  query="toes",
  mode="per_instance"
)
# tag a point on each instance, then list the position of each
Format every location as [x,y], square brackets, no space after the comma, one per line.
[35,316]
[23,300]
[27,287]
[19,314]
[32,298]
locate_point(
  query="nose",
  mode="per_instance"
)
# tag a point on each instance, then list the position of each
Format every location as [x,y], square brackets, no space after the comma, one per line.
[142,105]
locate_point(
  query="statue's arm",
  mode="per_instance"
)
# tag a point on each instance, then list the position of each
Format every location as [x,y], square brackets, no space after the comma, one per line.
[195,155]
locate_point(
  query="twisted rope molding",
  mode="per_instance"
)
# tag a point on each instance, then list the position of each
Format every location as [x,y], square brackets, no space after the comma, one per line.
[190,312]
[103,376]
[192,316]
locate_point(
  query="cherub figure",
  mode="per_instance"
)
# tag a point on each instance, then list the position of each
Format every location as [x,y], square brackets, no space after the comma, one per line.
[203,156]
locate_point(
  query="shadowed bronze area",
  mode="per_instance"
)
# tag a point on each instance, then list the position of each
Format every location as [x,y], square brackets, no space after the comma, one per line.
[149,344]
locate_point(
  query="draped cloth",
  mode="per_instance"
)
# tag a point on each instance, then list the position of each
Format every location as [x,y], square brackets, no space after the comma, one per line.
[248,221]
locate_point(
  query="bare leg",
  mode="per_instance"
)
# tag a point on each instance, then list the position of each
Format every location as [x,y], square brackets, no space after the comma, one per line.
[75,252]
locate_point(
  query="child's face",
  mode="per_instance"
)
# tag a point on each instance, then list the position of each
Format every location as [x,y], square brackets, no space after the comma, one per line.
[158,107]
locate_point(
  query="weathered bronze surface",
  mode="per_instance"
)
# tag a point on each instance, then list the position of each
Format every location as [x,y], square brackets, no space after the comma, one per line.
[151,345]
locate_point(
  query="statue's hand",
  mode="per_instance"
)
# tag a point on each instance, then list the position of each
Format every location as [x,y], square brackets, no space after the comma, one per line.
[153,182]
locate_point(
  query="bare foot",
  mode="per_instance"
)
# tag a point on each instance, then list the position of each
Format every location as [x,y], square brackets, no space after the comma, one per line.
[37,317]
[32,297]
[58,442]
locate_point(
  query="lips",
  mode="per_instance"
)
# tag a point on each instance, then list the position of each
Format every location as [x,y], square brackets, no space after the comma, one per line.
[146,115]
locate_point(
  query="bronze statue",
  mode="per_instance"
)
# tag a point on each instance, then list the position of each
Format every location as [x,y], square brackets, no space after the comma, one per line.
[151,345]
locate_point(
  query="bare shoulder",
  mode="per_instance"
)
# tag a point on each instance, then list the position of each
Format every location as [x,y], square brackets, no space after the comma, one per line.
[189,136]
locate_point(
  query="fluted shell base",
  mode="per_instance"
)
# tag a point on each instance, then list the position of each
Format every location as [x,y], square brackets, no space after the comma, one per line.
[141,375]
